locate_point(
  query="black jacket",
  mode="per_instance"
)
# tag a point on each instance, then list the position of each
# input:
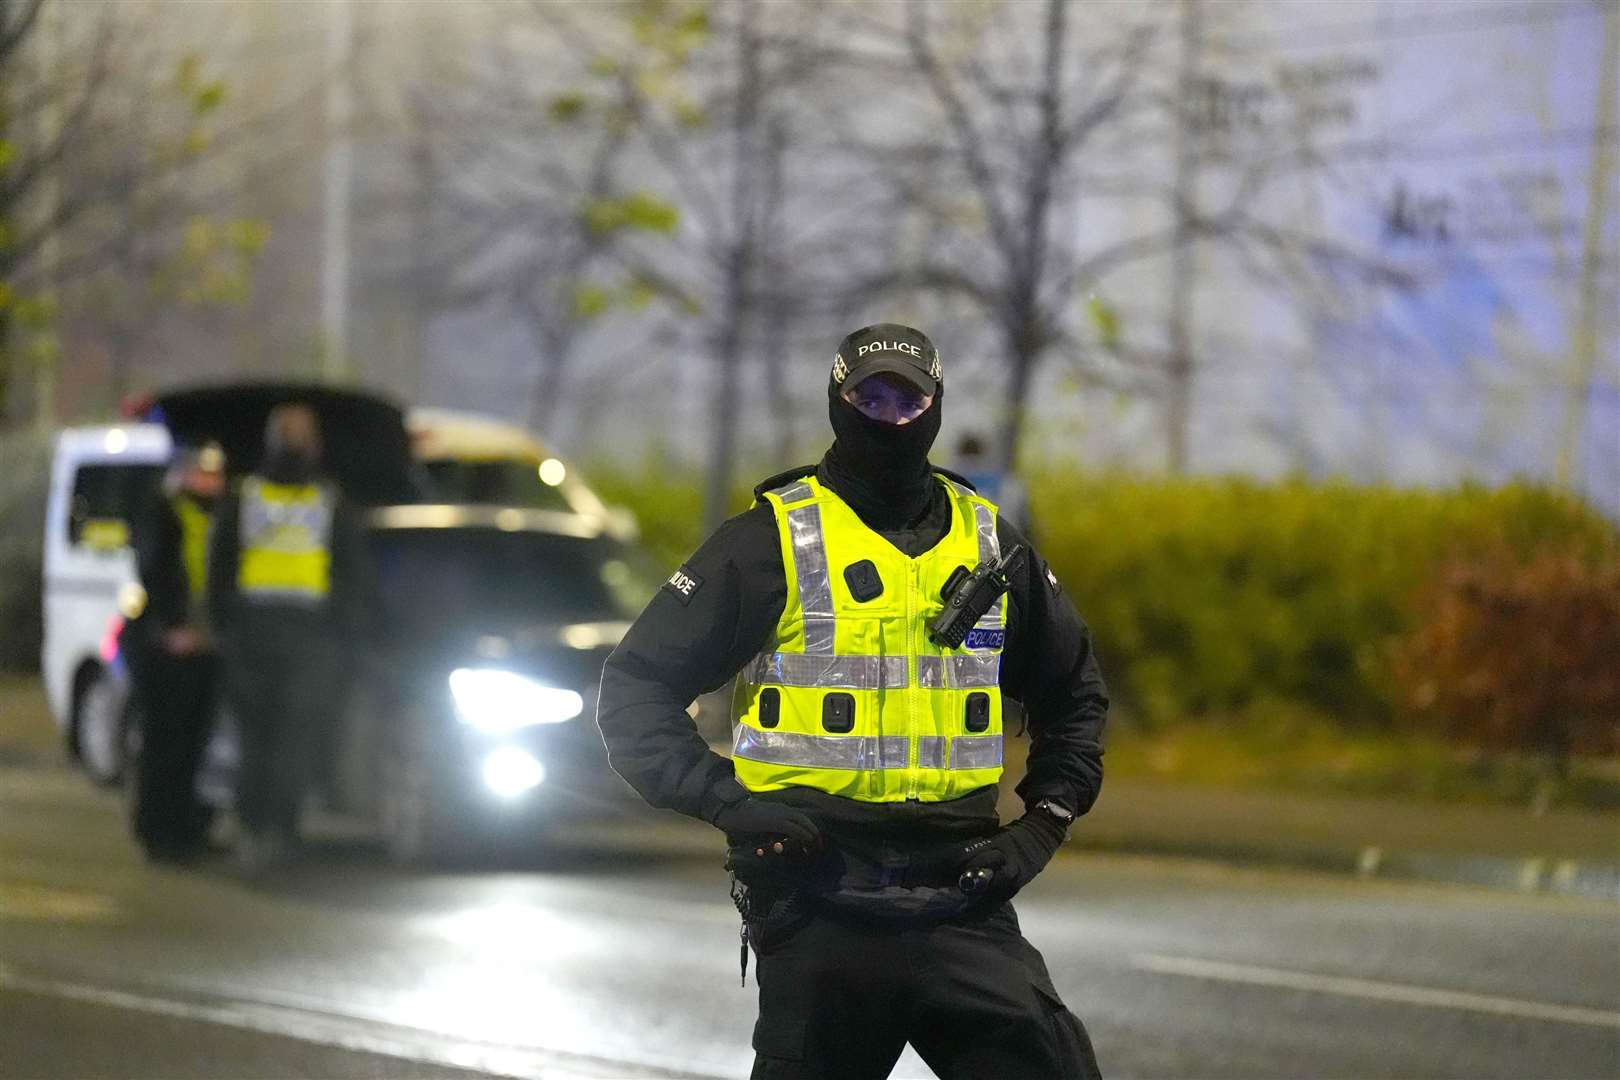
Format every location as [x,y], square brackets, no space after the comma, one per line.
[721,610]
[159,542]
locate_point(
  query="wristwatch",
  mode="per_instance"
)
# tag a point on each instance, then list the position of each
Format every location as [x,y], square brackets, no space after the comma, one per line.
[1056,810]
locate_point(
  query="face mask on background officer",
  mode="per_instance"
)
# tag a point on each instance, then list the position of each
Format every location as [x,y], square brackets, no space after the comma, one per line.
[292,440]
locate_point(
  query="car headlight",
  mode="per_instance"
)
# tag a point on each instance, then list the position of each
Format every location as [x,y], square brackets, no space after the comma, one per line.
[509,772]
[496,701]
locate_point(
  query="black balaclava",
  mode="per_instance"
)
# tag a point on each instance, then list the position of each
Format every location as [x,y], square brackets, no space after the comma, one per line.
[881,469]
[174,480]
[207,502]
[287,461]
[289,465]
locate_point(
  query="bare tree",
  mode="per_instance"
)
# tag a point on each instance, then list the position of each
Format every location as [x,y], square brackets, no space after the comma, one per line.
[1034,130]
[105,213]
[646,175]
[753,150]
[516,200]
[993,164]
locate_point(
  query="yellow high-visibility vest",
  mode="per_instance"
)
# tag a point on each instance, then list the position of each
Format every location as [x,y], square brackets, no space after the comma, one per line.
[851,697]
[194,524]
[286,542]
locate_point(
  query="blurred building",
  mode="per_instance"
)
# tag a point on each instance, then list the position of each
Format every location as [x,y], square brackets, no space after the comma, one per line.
[1472,149]
[1450,305]
[1439,302]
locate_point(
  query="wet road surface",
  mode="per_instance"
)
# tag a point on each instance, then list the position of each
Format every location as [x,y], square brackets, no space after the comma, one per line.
[612,961]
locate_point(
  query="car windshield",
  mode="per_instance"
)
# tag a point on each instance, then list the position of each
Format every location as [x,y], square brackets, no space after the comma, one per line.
[493,483]
[523,576]
[105,501]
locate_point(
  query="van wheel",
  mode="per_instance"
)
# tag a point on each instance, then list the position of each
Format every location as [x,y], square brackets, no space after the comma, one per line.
[418,822]
[102,715]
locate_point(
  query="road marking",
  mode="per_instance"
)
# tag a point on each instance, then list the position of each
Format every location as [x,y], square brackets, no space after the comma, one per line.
[346,1032]
[23,901]
[1377,991]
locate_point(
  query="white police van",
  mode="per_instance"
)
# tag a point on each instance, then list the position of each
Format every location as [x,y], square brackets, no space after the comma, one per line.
[98,477]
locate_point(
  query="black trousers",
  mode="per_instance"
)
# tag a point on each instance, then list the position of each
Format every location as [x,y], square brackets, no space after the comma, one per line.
[840,998]
[176,695]
[282,687]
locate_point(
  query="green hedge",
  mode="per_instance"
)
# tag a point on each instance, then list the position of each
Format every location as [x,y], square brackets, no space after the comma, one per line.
[1213,597]
[1207,596]
[24,477]
[669,510]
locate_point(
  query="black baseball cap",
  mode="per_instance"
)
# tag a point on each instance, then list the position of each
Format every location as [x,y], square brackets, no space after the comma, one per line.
[900,350]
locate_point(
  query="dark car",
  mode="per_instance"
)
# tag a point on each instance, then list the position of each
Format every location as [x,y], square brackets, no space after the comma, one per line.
[471,715]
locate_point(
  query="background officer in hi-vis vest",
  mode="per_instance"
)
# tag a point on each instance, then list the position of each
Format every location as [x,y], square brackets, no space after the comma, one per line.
[283,578]
[171,655]
[874,611]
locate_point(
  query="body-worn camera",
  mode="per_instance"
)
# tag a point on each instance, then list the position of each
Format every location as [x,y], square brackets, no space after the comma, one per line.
[969,594]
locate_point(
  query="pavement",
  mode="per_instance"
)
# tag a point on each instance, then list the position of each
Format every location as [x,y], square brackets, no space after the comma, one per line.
[1563,852]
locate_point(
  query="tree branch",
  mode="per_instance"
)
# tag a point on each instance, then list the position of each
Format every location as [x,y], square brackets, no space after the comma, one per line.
[969,141]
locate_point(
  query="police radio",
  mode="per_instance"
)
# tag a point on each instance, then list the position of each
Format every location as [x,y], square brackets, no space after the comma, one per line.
[969,594]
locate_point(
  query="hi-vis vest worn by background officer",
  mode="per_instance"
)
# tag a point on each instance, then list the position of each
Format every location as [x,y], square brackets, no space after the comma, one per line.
[194,525]
[286,542]
[851,697]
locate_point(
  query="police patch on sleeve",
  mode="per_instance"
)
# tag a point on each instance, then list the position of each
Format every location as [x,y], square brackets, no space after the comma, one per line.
[683,584]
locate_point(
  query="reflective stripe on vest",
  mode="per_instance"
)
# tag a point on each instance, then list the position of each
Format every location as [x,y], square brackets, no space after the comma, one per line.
[286,533]
[937,672]
[850,697]
[828,672]
[864,751]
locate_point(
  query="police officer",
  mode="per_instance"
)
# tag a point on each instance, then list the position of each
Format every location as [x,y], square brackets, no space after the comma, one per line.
[860,798]
[171,656]
[1000,485]
[284,569]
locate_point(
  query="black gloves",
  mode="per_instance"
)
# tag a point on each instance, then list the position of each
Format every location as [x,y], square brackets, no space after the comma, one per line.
[769,824]
[764,835]
[1013,855]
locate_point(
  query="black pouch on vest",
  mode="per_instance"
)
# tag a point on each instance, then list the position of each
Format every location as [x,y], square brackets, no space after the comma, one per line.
[770,706]
[863,580]
[978,712]
[838,713]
